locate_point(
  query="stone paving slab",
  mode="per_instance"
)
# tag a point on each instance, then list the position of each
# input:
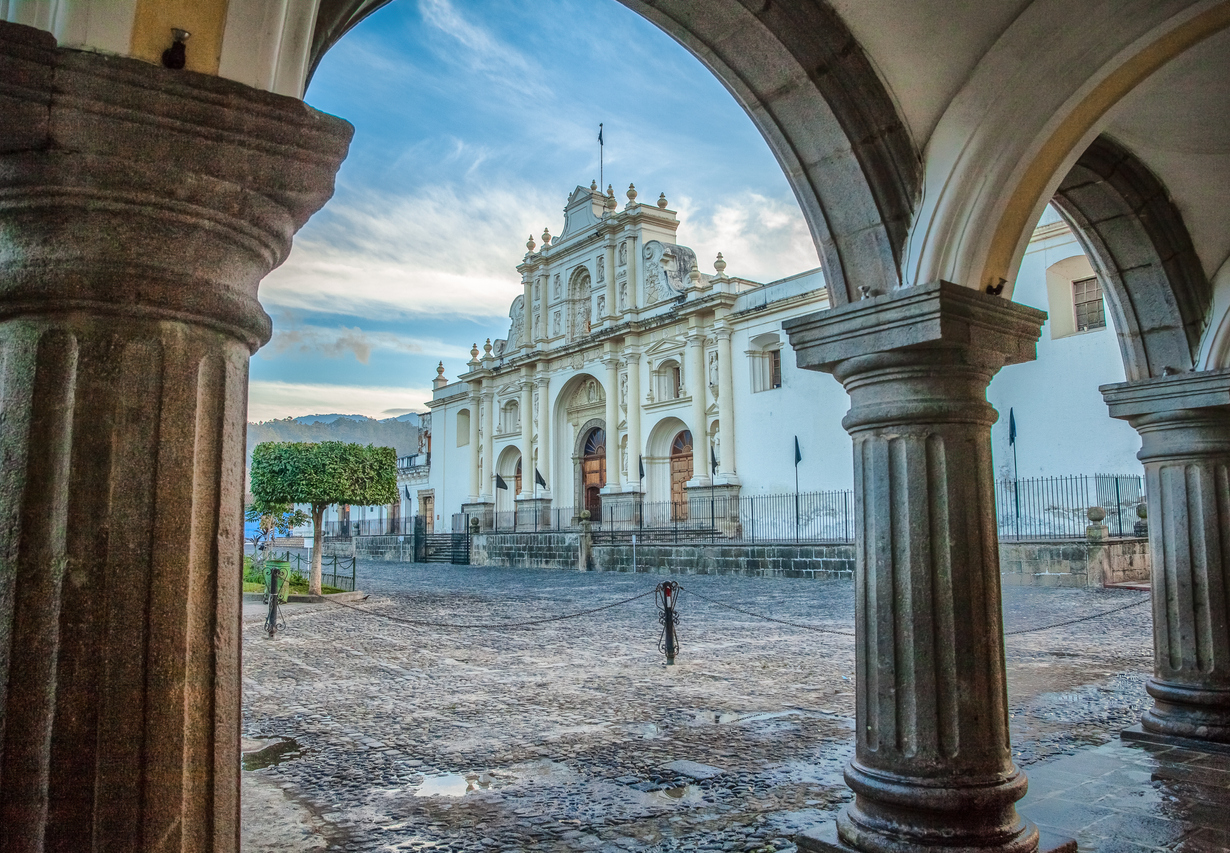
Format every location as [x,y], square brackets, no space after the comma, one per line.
[575,736]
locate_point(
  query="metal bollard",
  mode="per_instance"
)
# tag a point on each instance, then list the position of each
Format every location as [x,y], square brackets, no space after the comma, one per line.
[668,598]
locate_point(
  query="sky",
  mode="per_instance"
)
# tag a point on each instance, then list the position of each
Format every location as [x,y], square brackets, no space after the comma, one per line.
[473,122]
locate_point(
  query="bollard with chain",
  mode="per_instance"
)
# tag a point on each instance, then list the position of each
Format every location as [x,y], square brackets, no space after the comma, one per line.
[667,594]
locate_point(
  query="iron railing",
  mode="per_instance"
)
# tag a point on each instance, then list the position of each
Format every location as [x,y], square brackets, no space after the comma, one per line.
[337,572]
[1058,507]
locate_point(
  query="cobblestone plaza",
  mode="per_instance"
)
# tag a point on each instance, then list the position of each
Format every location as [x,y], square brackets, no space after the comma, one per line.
[367,733]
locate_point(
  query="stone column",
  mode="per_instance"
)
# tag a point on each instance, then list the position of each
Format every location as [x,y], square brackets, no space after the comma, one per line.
[475,410]
[632,357]
[486,486]
[544,427]
[696,387]
[612,297]
[932,768]
[544,298]
[527,432]
[633,265]
[1184,425]
[727,474]
[141,210]
[611,361]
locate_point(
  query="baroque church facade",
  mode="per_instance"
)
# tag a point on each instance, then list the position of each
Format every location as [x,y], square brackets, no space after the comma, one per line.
[628,379]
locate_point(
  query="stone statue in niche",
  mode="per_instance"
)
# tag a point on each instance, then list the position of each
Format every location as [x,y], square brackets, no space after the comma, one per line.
[537,409]
[558,290]
[623,455]
[555,323]
[623,254]
[591,391]
[713,369]
[623,296]
[601,306]
[623,391]
[601,268]
[517,316]
[537,317]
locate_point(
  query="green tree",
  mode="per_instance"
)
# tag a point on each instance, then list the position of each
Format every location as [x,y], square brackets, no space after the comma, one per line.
[321,475]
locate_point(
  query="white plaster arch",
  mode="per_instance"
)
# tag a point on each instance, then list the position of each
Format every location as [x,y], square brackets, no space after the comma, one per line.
[657,458]
[506,467]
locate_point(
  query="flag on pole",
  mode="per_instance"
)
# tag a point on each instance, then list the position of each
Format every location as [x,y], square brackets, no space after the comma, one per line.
[798,454]
[500,484]
[599,133]
[538,480]
[1011,427]
[640,461]
[406,489]
[712,459]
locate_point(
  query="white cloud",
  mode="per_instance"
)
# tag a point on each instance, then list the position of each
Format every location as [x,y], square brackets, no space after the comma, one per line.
[294,338]
[269,399]
[440,251]
[760,238]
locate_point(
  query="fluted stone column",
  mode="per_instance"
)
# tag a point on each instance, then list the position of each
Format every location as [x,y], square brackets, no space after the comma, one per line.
[141,208]
[696,387]
[932,768]
[1184,425]
[611,361]
[633,275]
[632,357]
[727,473]
[612,296]
[527,319]
[475,414]
[544,300]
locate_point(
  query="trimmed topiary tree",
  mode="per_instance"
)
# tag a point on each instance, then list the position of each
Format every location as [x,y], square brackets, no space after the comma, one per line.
[322,474]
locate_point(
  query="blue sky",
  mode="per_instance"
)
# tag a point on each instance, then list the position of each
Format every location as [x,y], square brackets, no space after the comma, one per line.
[474,120]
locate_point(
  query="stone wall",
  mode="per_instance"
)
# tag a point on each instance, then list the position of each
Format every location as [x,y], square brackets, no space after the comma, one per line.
[1073,564]
[525,550]
[390,549]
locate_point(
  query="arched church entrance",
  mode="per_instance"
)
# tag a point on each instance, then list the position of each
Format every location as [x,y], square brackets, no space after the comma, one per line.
[509,470]
[681,472]
[593,470]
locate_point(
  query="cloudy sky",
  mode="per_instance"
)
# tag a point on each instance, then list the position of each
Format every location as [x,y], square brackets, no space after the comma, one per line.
[474,120]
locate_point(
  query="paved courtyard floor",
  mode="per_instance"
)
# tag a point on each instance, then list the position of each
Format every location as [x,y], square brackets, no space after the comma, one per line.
[368,733]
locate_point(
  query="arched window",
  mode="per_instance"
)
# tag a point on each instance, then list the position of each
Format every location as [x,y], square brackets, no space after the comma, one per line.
[681,472]
[510,420]
[669,381]
[463,427]
[765,355]
[593,470]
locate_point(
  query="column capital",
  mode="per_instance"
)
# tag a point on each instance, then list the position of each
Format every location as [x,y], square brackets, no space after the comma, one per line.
[940,314]
[119,172]
[1168,394]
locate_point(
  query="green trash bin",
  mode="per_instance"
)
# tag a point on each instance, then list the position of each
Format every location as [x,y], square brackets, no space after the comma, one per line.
[283,567]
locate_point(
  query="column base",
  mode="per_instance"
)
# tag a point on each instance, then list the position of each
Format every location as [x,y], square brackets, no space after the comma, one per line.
[824,839]
[622,509]
[1139,734]
[716,505]
[1194,713]
[533,514]
[484,511]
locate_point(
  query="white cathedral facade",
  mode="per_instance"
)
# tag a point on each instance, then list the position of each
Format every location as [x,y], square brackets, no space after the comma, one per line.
[630,378]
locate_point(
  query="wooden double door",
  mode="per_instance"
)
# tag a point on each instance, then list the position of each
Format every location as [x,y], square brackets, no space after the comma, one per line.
[681,472]
[593,472]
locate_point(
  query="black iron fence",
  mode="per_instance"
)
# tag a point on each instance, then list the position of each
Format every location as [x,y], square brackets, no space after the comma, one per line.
[337,572]
[1058,507]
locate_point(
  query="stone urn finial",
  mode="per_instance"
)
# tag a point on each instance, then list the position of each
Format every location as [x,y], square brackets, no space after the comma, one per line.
[487,349]
[546,237]
[474,352]
[593,185]
[720,266]
[1096,514]
[610,204]
[440,370]
[662,202]
[1142,510]
[631,194]
[530,244]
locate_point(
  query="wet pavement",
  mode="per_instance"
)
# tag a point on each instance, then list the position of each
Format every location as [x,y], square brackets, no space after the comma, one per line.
[575,736]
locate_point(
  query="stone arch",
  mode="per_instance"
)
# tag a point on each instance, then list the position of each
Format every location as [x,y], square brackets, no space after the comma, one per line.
[657,458]
[506,466]
[1156,289]
[586,430]
[808,86]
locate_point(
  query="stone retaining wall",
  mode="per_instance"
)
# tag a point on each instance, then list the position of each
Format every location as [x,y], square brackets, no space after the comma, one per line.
[1074,564]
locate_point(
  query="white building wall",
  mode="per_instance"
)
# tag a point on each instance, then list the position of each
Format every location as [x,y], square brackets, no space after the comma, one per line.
[1062,423]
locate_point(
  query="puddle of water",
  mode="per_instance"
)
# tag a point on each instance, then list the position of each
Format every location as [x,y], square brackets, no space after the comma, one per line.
[678,792]
[452,784]
[285,749]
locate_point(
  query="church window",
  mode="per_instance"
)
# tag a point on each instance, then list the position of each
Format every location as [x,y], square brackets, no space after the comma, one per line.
[463,427]
[1090,310]
[669,384]
[765,355]
[775,368]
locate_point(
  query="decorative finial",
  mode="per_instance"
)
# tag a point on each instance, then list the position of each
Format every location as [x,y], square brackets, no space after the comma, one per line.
[662,200]
[487,349]
[546,237]
[593,185]
[631,194]
[610,202]
[474,352]
[440,370]
[694,275]
[720,266]
[530,244]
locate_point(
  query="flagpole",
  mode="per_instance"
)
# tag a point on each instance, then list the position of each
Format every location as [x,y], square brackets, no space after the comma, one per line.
[601,152]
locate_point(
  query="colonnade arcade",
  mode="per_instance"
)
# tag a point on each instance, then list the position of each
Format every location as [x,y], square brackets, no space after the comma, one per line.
[143,206]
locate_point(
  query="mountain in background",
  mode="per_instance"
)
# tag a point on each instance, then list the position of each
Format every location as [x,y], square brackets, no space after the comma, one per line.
[400,433]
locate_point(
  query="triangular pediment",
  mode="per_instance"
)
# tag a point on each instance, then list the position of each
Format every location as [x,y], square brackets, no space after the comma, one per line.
[668,345]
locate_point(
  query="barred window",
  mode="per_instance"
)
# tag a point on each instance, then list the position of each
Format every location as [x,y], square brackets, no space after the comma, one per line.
[775,368]
[1090,311]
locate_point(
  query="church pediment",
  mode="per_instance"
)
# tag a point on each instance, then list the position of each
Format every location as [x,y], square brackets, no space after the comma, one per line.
[663,347]
[584,210]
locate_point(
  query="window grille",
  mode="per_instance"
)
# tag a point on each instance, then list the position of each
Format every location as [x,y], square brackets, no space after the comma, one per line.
[775,368]
[1090,310]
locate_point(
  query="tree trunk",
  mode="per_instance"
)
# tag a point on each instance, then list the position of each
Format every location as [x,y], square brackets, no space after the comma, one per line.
[318,538]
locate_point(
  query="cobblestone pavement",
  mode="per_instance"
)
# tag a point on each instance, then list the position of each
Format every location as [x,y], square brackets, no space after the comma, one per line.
[574,735]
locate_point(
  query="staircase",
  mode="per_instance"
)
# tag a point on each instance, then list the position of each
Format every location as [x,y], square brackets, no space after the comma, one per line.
[447,548]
